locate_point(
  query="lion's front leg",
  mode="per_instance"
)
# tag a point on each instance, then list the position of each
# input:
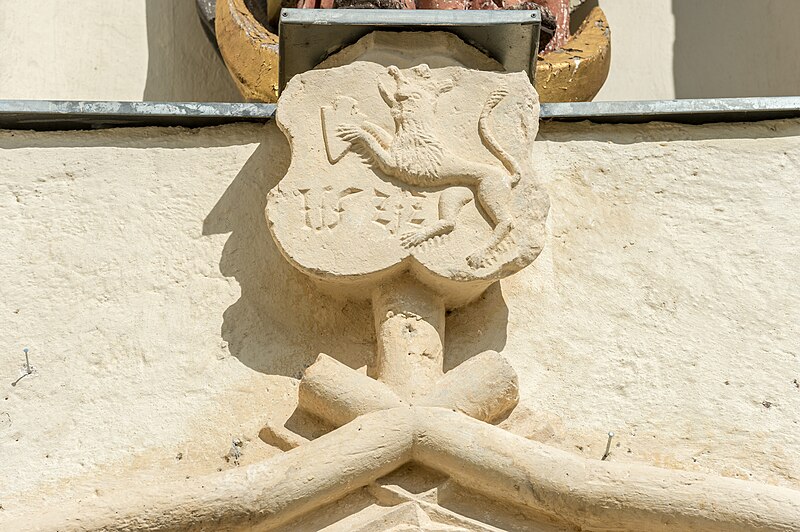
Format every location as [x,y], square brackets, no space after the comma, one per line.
[363,142]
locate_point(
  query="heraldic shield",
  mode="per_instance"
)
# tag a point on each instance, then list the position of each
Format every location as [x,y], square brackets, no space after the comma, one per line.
[422,170]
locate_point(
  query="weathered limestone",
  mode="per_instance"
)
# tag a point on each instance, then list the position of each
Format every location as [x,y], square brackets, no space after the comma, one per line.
[559,486]
[320,234]
[485,387]
[399,168]
[409,322]
[334,392]
[367,212]
[379,210]
[407,49]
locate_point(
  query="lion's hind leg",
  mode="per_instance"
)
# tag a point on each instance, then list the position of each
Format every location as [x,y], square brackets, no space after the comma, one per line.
[451,201]
[494,195]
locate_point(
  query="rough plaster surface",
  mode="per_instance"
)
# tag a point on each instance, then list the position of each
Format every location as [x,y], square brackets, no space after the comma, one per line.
[163,323]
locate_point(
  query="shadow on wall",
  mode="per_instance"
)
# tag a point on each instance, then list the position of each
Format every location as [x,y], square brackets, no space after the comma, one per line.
[183,65]
[736,48]
[282,321]
[480,326]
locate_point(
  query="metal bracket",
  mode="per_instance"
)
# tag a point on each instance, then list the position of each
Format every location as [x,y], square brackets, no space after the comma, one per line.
[308,36]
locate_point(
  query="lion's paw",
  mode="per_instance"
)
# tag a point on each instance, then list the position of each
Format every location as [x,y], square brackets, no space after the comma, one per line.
[349,132]
[480,259]
[497,95]
[413,239]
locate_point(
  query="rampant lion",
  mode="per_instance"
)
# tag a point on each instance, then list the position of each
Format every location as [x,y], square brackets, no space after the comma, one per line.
[416,157]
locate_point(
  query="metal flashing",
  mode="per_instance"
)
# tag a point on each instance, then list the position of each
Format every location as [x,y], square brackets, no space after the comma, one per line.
[308,36]
[699,111]
[45,115]
[51,115]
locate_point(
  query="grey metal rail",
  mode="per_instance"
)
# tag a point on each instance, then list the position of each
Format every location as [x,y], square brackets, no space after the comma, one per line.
[65,115]
[48,115]
[684,111]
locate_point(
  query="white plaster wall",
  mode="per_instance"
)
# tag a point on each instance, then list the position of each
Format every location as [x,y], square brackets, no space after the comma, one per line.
[736,48]
[108,50]
[664,49]
[163,323]
[642,38]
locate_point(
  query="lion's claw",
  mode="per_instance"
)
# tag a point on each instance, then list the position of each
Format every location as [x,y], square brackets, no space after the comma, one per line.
[412,239]
[497,95]
[349,133]
[480,259]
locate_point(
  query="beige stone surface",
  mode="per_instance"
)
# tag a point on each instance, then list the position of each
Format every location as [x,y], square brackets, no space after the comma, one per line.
[113,249]
[643,37]
[437,49]
[424,256]
[547,486]
[163,322]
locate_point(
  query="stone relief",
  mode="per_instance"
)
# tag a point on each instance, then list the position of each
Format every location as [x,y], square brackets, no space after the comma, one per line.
[415,156]
[405,170]
[398,210]
[445,169]
[324,206]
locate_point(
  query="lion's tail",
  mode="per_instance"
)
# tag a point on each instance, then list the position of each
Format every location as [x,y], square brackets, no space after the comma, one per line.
[488,137]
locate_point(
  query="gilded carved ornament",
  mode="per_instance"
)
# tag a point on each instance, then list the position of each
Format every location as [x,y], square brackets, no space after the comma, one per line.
[572,68]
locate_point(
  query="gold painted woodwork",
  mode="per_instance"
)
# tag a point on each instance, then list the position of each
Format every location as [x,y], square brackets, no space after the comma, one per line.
[576,72]
[249,49]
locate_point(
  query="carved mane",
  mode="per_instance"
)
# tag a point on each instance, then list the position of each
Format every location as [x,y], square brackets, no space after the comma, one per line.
[417,152]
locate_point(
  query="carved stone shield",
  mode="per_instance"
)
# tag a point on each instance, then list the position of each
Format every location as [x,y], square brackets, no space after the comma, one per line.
[420,170]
